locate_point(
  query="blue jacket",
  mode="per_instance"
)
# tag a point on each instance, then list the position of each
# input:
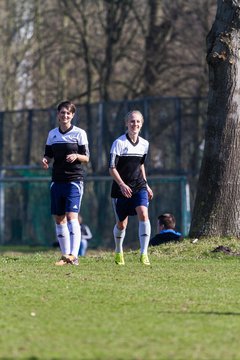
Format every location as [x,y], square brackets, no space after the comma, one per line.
[166,236]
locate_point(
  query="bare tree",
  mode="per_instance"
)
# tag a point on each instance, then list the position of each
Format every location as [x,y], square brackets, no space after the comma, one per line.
[89,51]
[217,205]
[159,34]
[175,43]
[15,30]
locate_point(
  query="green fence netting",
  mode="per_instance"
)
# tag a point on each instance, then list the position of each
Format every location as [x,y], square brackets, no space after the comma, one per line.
[25,208]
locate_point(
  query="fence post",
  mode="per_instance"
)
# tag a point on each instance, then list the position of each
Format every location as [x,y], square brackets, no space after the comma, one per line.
[178,134]
[2,206]
[99,136]
[146,118]
[29,137]
[185,204]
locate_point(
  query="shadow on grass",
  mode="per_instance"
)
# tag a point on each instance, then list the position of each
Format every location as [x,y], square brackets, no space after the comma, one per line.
[24,249]
[214,313]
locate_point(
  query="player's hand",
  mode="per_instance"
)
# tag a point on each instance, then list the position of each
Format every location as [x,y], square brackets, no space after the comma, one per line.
[126,190]
[71,158]
[45,164]
[150,193]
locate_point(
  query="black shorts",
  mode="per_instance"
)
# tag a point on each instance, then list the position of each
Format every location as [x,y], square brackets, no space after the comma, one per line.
[124,207]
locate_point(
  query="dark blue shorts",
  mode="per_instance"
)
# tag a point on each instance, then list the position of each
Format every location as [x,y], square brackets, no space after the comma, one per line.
[124,207]
[66,197]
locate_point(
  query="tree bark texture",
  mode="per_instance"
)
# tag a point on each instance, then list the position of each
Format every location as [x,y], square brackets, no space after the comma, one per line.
[217,204]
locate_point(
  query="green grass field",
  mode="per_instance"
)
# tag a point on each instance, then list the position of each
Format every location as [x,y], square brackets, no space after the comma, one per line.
[186,305]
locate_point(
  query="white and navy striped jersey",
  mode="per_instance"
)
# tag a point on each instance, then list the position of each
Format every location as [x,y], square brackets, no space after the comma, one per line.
[127,157]
[60,144]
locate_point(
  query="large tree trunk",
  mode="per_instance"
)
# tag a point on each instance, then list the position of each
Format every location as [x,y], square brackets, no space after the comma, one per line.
[217,205]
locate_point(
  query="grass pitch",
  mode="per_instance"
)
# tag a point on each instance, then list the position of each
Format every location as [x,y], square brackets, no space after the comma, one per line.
[186,305]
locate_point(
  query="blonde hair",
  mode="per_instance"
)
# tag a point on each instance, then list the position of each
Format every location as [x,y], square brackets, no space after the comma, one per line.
[129,114]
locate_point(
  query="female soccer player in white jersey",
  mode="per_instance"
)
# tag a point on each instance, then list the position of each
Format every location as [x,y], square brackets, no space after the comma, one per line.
[130,191]
[67,145]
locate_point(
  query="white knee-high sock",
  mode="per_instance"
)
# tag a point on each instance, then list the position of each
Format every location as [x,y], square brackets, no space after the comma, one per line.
[63,238]
[75,236]
[119,236]
[144,231]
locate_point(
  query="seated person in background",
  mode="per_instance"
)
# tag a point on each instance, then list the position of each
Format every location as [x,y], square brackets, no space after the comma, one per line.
[167,233]
[86,235]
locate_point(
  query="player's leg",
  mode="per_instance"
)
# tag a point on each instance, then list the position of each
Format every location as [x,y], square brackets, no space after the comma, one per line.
[61,228]
[62,233]
[73,204]
[144,227]
[75,235]
[119,230]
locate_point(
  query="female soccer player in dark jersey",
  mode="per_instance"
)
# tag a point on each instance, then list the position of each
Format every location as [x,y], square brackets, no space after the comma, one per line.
[67,145]
[130,191]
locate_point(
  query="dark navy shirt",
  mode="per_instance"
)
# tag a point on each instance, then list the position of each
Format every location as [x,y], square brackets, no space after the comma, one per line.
[166,236]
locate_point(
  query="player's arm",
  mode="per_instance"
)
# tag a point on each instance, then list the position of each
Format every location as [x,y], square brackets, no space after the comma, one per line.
[82,155]
[125,189]
[77,157]
[48,155]
[116,176]
[83,158]
[149,190]
[45,162]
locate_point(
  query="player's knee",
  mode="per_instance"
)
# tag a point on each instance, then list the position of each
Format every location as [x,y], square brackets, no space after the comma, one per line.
[143,216]
[121,226]
[71,216]
[60,219]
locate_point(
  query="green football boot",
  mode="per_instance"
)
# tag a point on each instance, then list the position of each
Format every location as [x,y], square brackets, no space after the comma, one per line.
[144,259]
[119,259]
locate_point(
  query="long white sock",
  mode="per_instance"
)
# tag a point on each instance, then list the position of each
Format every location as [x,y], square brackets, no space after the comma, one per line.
[63,238]
[144,231]
[75,236]
[119,236]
